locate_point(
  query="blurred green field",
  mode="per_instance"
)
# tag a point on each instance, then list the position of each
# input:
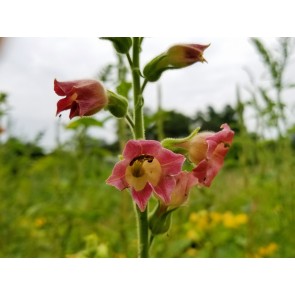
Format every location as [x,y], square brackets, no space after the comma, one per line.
[58,205]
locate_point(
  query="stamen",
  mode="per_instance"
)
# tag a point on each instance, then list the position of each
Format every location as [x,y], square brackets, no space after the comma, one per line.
[141,159]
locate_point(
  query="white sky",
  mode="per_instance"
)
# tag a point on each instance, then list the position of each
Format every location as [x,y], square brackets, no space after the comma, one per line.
[28,67]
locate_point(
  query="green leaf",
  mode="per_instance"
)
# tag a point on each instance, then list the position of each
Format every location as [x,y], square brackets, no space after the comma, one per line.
[123,88]
[3,97]
[84,122]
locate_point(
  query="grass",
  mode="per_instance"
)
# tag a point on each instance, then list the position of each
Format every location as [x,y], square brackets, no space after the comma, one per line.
[59,206]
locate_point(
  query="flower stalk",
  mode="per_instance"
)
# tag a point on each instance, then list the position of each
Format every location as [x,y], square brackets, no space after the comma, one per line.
[142,217]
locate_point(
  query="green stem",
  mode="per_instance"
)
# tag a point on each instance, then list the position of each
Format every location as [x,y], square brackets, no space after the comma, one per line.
[142,217]
[138,99]
[143,234]
[151,239]
[130,121]
[129,60]
[143,85]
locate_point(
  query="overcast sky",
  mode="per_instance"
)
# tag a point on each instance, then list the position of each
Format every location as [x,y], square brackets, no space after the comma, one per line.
[28,67]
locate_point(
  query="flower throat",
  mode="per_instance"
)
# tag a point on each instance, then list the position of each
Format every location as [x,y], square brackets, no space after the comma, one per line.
[137,163]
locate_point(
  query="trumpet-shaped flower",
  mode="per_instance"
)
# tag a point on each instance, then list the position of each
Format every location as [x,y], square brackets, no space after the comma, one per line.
[184,182]
[176,57]
[83,97]
[183,55]
[146,167]
[207,150]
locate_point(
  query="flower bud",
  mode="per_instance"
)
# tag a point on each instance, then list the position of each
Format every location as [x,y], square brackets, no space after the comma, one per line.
[176,57]
[117,105]
[179,145]
[121,44]
[184,55]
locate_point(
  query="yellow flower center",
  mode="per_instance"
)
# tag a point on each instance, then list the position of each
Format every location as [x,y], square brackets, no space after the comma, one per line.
[143,169]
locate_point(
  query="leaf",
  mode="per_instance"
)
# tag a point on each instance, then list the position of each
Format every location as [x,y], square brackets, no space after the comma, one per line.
[3,97]
[84,122]
[123,88]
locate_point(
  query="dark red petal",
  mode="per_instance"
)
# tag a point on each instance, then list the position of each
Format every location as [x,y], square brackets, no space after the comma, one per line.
[89,106]
[141,198]
[64,88]
[165,188]
[64,104]
[117,178]
[75,110]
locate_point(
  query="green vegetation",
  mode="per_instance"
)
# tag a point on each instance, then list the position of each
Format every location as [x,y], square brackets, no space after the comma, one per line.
[57,204]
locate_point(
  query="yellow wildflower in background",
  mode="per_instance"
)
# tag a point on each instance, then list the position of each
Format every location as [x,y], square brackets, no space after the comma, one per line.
[39,222]
[233,221]
[266,250]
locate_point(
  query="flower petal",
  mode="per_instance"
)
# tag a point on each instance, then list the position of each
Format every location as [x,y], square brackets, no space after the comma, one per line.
[165,188]
[89,106]
[171,163]
[200,172]
[135,148]
[117,178]
[207,170]
[64,104]
[151,147]
[224,136]
[132,150]
[64,88]
[184,182]
[141,197]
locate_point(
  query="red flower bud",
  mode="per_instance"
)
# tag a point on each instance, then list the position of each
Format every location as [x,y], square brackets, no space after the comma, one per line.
[83,97]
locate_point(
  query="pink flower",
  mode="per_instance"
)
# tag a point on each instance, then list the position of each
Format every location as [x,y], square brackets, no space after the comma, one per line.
[184,182]
[83,97]
[207,150]
[146,167]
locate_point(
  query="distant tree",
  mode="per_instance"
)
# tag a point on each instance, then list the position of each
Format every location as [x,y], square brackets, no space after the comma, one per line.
[212,120]
[174,124]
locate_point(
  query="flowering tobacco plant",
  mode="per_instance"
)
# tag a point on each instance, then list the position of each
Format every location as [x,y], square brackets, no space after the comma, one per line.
[150,167]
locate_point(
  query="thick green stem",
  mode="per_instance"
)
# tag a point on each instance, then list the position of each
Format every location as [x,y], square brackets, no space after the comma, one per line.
[142,217]
[138,99]
[143,234]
